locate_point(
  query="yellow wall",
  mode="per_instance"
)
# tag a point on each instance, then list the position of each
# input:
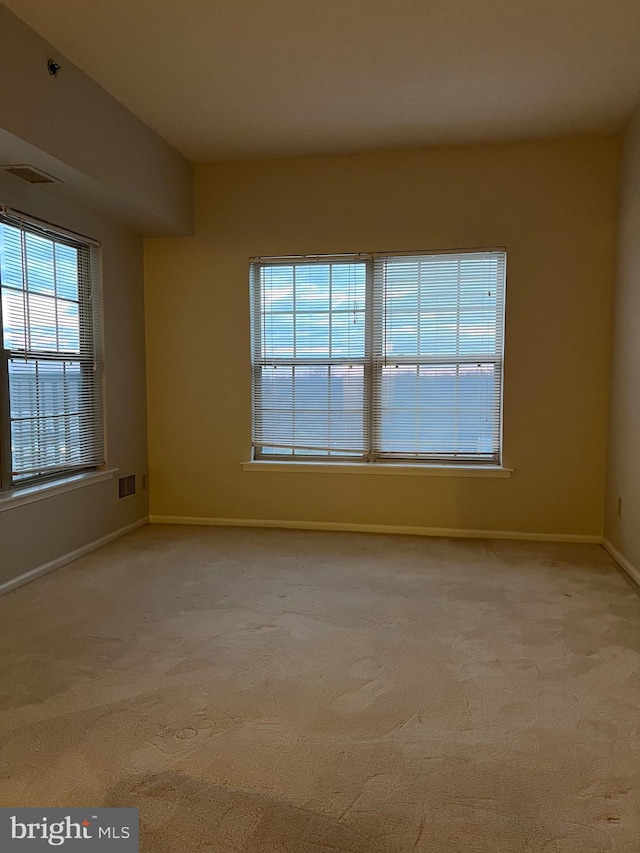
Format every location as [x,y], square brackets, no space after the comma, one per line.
[552,204]
[623,531]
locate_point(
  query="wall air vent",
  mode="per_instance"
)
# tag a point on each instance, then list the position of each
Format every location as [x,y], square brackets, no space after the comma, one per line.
[30,174]
[127,486]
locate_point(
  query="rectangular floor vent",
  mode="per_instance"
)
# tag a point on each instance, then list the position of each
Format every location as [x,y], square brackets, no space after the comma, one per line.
[127,486]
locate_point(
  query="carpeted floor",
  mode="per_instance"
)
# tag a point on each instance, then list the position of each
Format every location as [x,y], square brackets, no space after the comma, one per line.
[289,692]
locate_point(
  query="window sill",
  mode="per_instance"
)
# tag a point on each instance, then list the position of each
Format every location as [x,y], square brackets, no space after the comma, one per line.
[369,468]
[40,491]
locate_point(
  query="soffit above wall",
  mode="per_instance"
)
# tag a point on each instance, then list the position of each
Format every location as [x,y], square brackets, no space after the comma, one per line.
[103,156]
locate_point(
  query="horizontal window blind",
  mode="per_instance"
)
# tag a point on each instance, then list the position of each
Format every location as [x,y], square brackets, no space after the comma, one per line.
[378,357]
[309,358]
[52,362]
[438,341]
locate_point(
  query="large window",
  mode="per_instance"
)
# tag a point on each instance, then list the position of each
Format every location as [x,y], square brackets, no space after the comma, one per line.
[378,358]
[50,362]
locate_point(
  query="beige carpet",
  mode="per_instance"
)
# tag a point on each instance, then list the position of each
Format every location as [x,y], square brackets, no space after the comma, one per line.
[288,692]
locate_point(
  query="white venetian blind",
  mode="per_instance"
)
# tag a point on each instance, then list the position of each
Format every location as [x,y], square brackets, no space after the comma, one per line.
[309,359]
[437,356]
[51,346]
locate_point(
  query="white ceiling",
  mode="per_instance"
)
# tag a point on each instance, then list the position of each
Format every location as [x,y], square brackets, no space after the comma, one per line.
[226,79]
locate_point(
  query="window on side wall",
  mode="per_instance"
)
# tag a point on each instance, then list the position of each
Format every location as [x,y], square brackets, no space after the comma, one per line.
[378,358]
[51,407]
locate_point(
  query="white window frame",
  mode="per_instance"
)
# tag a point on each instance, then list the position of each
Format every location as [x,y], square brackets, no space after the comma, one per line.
[373,362]
[89,356]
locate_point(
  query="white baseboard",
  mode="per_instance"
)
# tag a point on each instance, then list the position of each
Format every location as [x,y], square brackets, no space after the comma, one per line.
[452,532]
[63,560]
[624,564]
[51,566]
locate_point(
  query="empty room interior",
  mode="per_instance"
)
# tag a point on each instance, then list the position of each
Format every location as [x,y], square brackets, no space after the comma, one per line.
[319,423]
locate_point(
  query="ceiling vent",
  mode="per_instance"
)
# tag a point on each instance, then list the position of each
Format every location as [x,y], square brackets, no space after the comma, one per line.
[30,174]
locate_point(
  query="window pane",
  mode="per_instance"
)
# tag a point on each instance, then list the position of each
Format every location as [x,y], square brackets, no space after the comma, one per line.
[347,333]
[311,311]
[277,336]
[312,335]
[39,267]
[13,319]
[11,273]
[40,310]
[438,333]
[44,388]
[313,409]
[276,288]
[437,305]
[312,287]
[52,423]
[68,326]
[66,271]
[445,410]
[42,328]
